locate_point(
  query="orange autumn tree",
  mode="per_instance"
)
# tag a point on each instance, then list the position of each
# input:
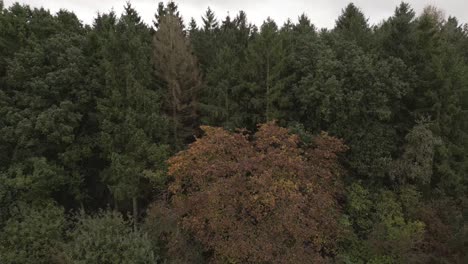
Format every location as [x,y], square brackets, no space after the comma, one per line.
[259,198]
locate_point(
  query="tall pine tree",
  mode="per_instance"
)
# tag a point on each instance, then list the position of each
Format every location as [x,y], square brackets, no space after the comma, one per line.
[132,131]
[177,67]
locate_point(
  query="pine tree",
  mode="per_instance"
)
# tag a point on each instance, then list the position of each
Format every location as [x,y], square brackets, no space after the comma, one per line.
[209,21]
[177,67]
[398,36]
[352,25]
[170,9]
[204,41]
[264,77]
[397,39]
[132,131]
[221,101]
[435,92]
[316,88]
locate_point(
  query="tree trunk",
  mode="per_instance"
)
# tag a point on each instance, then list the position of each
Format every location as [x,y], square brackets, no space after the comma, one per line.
[174,115]
[135,212]
[173,87]
[267,115]
[116,205]
[226,105]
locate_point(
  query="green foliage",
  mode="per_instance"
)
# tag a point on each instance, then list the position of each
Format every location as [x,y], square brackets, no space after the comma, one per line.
[385,230]
[416,162]
[394,235]
[205,40]
[33,179]
[32,234]
[107,238]
[132,132]
[359,207]
[89,115]
[44,101]
[223,95]
[352,25]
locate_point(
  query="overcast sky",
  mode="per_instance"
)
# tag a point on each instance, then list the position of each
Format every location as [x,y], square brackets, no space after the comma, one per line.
[322,12]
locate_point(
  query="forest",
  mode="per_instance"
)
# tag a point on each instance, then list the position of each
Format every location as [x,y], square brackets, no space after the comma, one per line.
[228,142]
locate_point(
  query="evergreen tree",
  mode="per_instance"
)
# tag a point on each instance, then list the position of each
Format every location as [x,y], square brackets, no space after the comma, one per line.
[170,9]
[398,33]
[397,39]
[352,26]
[221,101]
[266,75]
[204,41]
[132,131]
[263,56]
[437,94]
[314,64]
[177,67]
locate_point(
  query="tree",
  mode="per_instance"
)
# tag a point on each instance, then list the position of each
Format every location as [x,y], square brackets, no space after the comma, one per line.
[33,234]
[43,105]
[397,38]
[384,231]
[90,113]
[170,9]
[316,86]
[352,26]
[224,93]
[177,67]
[107,238]
[437,94]
[445,236]
[266,64]
[132,130]
[204,41]
[398,33]
[252,200]
[355,100]
[175,244]
[417,161]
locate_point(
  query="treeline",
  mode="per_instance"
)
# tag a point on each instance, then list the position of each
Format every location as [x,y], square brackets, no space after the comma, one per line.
[122,142]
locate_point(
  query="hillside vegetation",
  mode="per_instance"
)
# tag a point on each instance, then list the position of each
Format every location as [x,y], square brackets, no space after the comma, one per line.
[122,142]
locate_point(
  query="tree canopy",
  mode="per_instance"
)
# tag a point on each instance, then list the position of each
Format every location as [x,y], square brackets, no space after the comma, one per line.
[214,140]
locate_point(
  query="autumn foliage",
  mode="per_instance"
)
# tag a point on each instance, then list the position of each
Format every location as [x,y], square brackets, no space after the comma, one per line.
[259,198]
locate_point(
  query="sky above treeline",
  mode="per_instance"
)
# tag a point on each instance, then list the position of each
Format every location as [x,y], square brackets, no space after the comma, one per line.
[322,13]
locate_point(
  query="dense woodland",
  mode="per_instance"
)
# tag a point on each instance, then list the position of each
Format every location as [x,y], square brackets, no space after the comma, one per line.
[224,142]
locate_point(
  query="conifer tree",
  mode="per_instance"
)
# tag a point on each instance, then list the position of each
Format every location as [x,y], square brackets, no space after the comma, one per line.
[205,40]
[436,92]
[132,131]
[177,67]
[170,9]
[222,98]
[266,65]
[353,26]
[398,33]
